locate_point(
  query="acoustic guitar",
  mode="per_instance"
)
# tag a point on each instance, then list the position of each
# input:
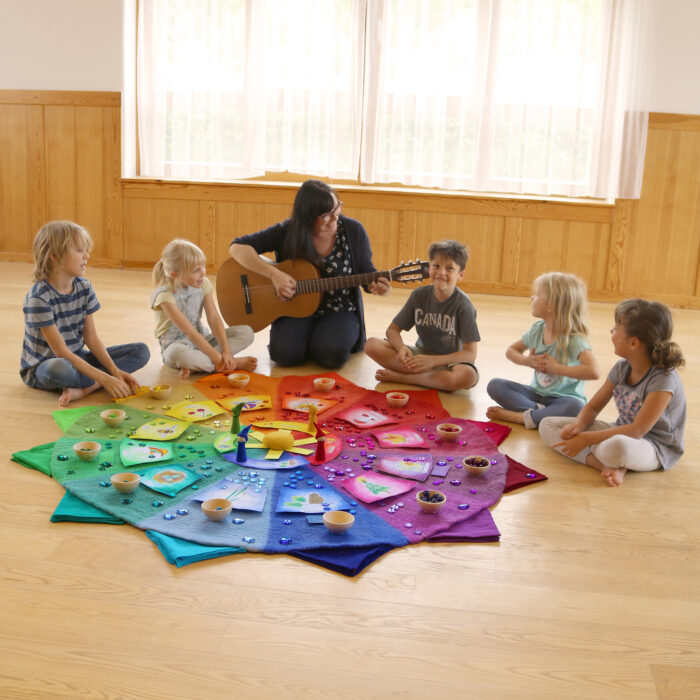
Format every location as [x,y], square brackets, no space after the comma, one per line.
[248,299]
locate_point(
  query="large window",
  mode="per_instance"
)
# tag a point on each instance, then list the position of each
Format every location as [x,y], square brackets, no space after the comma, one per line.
[514,96]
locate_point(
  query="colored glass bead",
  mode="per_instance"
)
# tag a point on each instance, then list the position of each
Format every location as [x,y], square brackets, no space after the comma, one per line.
[285,540]
[62,458]
[238,521]
[463,506]
[169,516]
[156,504]
[126,501]
[183,511]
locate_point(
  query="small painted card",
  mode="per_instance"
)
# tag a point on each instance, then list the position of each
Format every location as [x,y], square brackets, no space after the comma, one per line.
[370,487]
[169,480]
[310,500]
[194,410]
[251,402]
[243,496]
[365,417]
[300,403]
[160,429]
[137,452]
[407,466]
[400,436]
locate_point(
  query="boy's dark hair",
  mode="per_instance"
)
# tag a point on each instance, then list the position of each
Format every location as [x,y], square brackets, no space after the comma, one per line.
[450,249]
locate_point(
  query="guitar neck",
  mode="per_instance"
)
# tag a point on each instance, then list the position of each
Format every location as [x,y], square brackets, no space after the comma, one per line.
[323,284]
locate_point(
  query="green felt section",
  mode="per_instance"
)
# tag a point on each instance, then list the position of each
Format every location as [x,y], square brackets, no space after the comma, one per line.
[38,457]
[72,509]
[65,417]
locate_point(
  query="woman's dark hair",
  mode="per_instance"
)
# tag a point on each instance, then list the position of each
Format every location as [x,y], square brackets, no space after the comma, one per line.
[651,323]
[314,198]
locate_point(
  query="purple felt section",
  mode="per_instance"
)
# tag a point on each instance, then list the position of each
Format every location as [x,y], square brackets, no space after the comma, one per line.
[467,494]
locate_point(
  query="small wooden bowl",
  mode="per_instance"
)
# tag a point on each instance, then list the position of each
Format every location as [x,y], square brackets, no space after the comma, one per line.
[113,417]
[217,509]
[396,399]
[238,380]
[125,482]
[338,521]
[87,450]
[431,506]
[476,464]
[449,431]
[161,391]
[324,384]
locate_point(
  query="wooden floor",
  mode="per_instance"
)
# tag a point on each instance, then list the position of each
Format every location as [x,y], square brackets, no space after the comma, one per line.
[592,592]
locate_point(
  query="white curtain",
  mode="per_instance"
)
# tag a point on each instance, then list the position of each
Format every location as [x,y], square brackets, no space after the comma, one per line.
[509,96]
[234,88]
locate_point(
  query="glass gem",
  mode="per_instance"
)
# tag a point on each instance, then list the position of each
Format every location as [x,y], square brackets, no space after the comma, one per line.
[249,540]
[126,501]
[183,511]
[238,521]
[169,516]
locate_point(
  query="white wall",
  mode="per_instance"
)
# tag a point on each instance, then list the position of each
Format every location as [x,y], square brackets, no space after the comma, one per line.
[675,57]
[77,45]
[61,45]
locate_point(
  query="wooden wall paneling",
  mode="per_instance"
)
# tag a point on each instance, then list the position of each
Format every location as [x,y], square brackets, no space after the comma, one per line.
[485,239]
[585,245]
[207,229]
[510,252]
[382,226]
[14,176]
[36,158]
[60,163]
[153,223]
[89,178]
[234,219]
[111,146]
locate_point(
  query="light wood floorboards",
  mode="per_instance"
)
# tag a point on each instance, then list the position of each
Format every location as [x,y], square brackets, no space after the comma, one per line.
[591,593]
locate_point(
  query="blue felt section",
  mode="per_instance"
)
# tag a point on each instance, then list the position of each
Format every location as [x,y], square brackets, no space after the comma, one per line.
[72,509]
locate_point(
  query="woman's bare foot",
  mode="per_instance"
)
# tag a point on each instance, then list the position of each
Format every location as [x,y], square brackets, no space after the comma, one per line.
[247,363]
[614,477]
[185,372]
[500,413]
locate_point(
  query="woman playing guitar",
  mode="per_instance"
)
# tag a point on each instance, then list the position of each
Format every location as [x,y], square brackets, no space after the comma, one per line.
[318,233]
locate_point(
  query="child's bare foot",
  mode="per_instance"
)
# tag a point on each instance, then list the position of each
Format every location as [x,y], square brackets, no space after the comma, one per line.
[69,394]
[390,375]
[185,372]
[500,413]
[74,393]
[247,363]
[614,477]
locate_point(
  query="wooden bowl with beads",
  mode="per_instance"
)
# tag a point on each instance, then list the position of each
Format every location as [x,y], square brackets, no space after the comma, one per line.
[113,417]
[217,509]
[125,482]
[87,450]
[430,501]
[476,464]
[160,391]
[238,380]
[449,431]
[396,399]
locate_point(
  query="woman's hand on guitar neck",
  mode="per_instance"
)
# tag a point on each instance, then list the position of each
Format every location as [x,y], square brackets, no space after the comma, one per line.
[381,286]
[285,285]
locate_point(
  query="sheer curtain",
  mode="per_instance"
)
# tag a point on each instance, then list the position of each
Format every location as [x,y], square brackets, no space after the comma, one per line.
[234,88]
[512,96]
[504,96]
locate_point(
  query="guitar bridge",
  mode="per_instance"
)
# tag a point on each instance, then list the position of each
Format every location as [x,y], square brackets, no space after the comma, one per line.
[246,294]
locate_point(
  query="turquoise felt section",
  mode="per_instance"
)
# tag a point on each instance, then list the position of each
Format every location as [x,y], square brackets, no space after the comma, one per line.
[72,509]
[181,552]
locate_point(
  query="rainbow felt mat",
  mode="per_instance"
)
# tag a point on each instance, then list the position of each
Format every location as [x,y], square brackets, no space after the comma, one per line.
[278,509]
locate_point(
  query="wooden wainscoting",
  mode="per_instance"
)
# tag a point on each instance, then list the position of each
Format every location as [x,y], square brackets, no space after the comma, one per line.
[60,158]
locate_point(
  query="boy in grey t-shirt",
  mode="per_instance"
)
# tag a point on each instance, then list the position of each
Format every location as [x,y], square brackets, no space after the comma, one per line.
[445,320]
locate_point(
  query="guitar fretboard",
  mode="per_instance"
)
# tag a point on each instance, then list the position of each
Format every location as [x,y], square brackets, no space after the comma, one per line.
[324,283]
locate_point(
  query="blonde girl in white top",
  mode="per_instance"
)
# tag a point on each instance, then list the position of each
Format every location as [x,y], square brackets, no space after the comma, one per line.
[182,291]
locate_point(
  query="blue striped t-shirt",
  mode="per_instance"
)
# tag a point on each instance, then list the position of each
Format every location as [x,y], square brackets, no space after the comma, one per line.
[44,306]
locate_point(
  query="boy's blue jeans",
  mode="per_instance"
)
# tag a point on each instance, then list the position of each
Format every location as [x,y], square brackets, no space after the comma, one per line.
[57,373]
